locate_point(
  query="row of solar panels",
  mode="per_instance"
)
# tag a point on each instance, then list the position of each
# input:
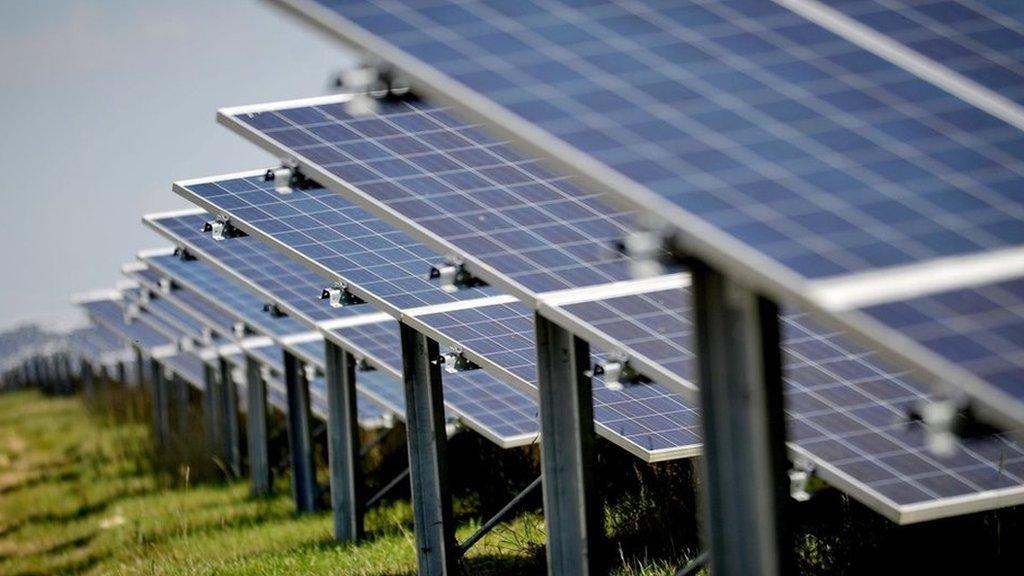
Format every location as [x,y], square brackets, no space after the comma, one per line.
[831,177]
[847,410]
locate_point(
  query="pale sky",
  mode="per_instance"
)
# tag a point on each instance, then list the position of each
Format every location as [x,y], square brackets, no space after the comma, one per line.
[103,105]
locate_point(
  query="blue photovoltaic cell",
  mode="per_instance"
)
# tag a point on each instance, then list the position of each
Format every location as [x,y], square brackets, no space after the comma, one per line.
[474,192]
[92,342]
[845,407]
[650,418]
[110,314]
[188,367]
[311,351]
[225,291]
[502,416]
[221,320]
[174,315]
[965,36]
[368,412]
[475,395]
[345,240]
[271,355]
[820,155]
[979,329]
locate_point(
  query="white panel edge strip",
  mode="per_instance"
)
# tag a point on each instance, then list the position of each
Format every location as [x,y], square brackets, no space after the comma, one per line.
[95,296]
[164,350]
[460,305]
[918,279]
[153,252]
[908,59]
[354,321]
[133,266]
[229,176]
[301,338]
[272,106]
[154,216]
[614,289]
[256,342]
[229,349]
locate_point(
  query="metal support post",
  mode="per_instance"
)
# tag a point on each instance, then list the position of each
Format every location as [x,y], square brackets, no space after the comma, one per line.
[437,550]
[259,462]
[211,411]
[122,373]
[744,427]
[300,440]
[572,506]
[231,448]
[181,401]
[343,444]
[161,405]
[139,375]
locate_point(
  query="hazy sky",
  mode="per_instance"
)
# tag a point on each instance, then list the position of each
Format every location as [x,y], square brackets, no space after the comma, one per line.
[103,105]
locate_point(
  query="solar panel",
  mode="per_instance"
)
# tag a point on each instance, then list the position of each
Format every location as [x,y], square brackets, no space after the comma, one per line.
[95,343]
[223,289]
[503,420]
[389,268]
[780,152]
[216,317]
[188,367]
[980,329]
[649,421]
[847,410]
[236,197]
[175,316]
[109,313]
[966,37]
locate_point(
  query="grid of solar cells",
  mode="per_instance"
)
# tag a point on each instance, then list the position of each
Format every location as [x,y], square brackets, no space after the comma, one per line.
[967,37]
[368,412]
[226,291]
[272,355]
[286,280]
[845,407]
[217,317]
[172,314]
[110,314]
[980,329]
[385,389]
[312,351]
[342,239]
[649,417]
[99,341]
[472,191]
[188,367]
[476,396]
[793,140]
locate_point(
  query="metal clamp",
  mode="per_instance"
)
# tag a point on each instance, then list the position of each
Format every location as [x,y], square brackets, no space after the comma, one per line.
[274,310]
[452,276]
[131,312]
[339,296]
[363,365]
[239,330]
[647,253]
[183,254]
[309,372]
[207,335]
[266,373]
[186,344]
[222,228]
[618,373]
[940,420]
[803,482]
[369,83]
[454,361]
[166,284]
[145,296]
[286,177]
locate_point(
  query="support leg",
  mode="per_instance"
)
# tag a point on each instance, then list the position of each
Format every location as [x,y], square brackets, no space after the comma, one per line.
[744,427]
[343,444]
[259,462]
[572,506]
[231,449]
[428,464]
[161,405]
[300,440]
[212,427]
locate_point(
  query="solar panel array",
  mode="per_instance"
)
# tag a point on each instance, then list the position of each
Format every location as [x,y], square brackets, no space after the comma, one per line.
[780,150]
[848,410]
[500,413]
[647,434]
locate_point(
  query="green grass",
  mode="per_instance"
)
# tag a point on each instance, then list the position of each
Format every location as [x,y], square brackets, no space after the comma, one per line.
[78,495]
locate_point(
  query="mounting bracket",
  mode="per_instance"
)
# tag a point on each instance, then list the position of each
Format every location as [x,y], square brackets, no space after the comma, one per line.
[222,228]
[454,361]
[286,177]
[452,276]
[339,296]
[166,284]
[273,310]
[618,373]
[803,482]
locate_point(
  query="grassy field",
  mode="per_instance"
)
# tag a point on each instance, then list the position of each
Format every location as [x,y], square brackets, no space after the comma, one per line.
[78,495]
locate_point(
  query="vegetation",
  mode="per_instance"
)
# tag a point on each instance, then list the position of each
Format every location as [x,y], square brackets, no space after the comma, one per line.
[81,492]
